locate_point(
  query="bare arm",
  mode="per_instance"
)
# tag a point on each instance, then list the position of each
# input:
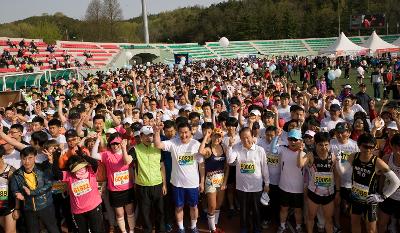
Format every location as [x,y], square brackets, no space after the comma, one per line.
[157,139]
[202,149]
[10,140]
[127,158]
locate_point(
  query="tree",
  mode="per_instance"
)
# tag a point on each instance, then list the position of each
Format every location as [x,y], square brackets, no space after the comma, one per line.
[94,18]
[111,12]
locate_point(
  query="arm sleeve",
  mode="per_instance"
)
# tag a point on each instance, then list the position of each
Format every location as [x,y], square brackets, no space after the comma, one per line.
[343,166]
[264,167]
[392,183]
[95,153]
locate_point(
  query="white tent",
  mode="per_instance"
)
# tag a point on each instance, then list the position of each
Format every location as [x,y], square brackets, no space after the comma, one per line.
[342,46]
[397,42]
[376,44]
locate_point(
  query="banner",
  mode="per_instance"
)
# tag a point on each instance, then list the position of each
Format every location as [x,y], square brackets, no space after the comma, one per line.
[7,97]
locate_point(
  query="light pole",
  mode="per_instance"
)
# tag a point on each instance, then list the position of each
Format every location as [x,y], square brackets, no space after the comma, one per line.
[338,10]
[145,24]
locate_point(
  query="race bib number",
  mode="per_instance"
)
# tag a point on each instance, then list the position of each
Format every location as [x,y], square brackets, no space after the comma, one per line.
[217,179]
[323,179]
[247,167]
[345,156]
[359,191]
[4,192]
[186,159]
[272,160]
[81,187]
[121,178]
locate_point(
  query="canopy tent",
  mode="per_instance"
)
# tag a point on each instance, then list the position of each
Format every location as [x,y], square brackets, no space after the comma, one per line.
[376,45]
[343,46]
[396,42]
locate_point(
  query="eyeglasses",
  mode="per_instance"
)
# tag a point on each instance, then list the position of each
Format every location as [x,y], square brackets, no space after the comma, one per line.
[293,139]
[276,100]
[370,147]
[13,132]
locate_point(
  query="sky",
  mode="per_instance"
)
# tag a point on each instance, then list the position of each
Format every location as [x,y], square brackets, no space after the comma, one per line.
[12,10]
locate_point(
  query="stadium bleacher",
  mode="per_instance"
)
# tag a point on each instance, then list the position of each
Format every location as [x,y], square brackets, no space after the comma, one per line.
[103,53]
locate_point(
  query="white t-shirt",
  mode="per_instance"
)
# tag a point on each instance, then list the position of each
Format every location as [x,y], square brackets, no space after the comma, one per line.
[272,161]
[13,159]
[284,113]
[329,123]
[292,177]
[344,150]
[185,162]
[251,167]
[61,140]
[171,113]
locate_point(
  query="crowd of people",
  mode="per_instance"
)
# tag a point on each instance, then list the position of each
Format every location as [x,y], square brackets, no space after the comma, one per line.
[25,60]
[221,137]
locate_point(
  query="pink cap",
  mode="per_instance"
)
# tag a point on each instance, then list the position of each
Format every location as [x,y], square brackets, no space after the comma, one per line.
[116,140]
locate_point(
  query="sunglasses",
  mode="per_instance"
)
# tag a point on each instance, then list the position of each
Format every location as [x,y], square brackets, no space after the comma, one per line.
[115,144]
[293,139]
[368,146]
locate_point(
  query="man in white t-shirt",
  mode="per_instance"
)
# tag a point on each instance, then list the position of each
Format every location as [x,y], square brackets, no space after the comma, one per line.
[343,146]
[291,182]
[185,178]
[284,107]
[11,156]
[329,123]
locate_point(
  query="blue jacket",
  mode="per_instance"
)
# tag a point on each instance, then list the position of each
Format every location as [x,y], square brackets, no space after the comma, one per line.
[39,198]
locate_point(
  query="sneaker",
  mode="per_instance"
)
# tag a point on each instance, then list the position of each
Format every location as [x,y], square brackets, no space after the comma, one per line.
[265,224]
[194,230]
[378,99]
[320,229]
[337,229]
[181,230]
[299,229]
[281,230]
[168,227]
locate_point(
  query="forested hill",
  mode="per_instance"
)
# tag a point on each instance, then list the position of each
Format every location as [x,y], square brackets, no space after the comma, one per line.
[237,20]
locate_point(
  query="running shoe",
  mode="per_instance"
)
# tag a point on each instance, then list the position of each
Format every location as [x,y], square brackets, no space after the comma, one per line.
[181,230]
[168,227]
[194,230]
[281,230]
[299,229]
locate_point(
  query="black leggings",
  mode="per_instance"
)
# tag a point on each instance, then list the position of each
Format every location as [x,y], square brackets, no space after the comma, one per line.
[46,216]
[92,220]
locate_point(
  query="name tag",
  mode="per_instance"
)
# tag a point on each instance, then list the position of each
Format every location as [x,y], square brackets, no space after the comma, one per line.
[247,167]
[186,159]
[272,160]
[323,179]
[121,178]
[81,187]
[359,191]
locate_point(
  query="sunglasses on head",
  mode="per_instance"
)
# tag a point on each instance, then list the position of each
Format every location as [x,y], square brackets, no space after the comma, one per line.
[293,139]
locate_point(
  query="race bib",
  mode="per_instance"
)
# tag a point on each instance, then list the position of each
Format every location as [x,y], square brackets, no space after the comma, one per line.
[247,167]
[359,191]
[121,178]
[81,187]
[345,156]
[272,160]
[217,179]
[186,159]
[323,179]
[3,192]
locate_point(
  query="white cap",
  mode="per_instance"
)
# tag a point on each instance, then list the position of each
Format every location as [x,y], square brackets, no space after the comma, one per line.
[255,112]
[50,112]
[136,133]
[63,82]
[264,198]
[165,117]
[347,86]
[111,130]
[188,108]
[392,125]
[146,130]
[310,132]
[127,120]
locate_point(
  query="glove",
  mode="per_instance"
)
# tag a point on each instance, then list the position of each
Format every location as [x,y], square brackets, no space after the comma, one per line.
[375,198]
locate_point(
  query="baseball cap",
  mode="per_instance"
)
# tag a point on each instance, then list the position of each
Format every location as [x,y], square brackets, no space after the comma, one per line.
[127,120]
[264,198]
[116,140]
[111,131]
[347,86]
[392,125]
[146,130]
[71,134]
[255,112]
[334,107]
[310,133]
[269,114]
[295,133]
[342,127]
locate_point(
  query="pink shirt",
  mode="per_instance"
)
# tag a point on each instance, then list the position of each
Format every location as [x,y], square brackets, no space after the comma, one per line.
[119,175]
[84,194]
